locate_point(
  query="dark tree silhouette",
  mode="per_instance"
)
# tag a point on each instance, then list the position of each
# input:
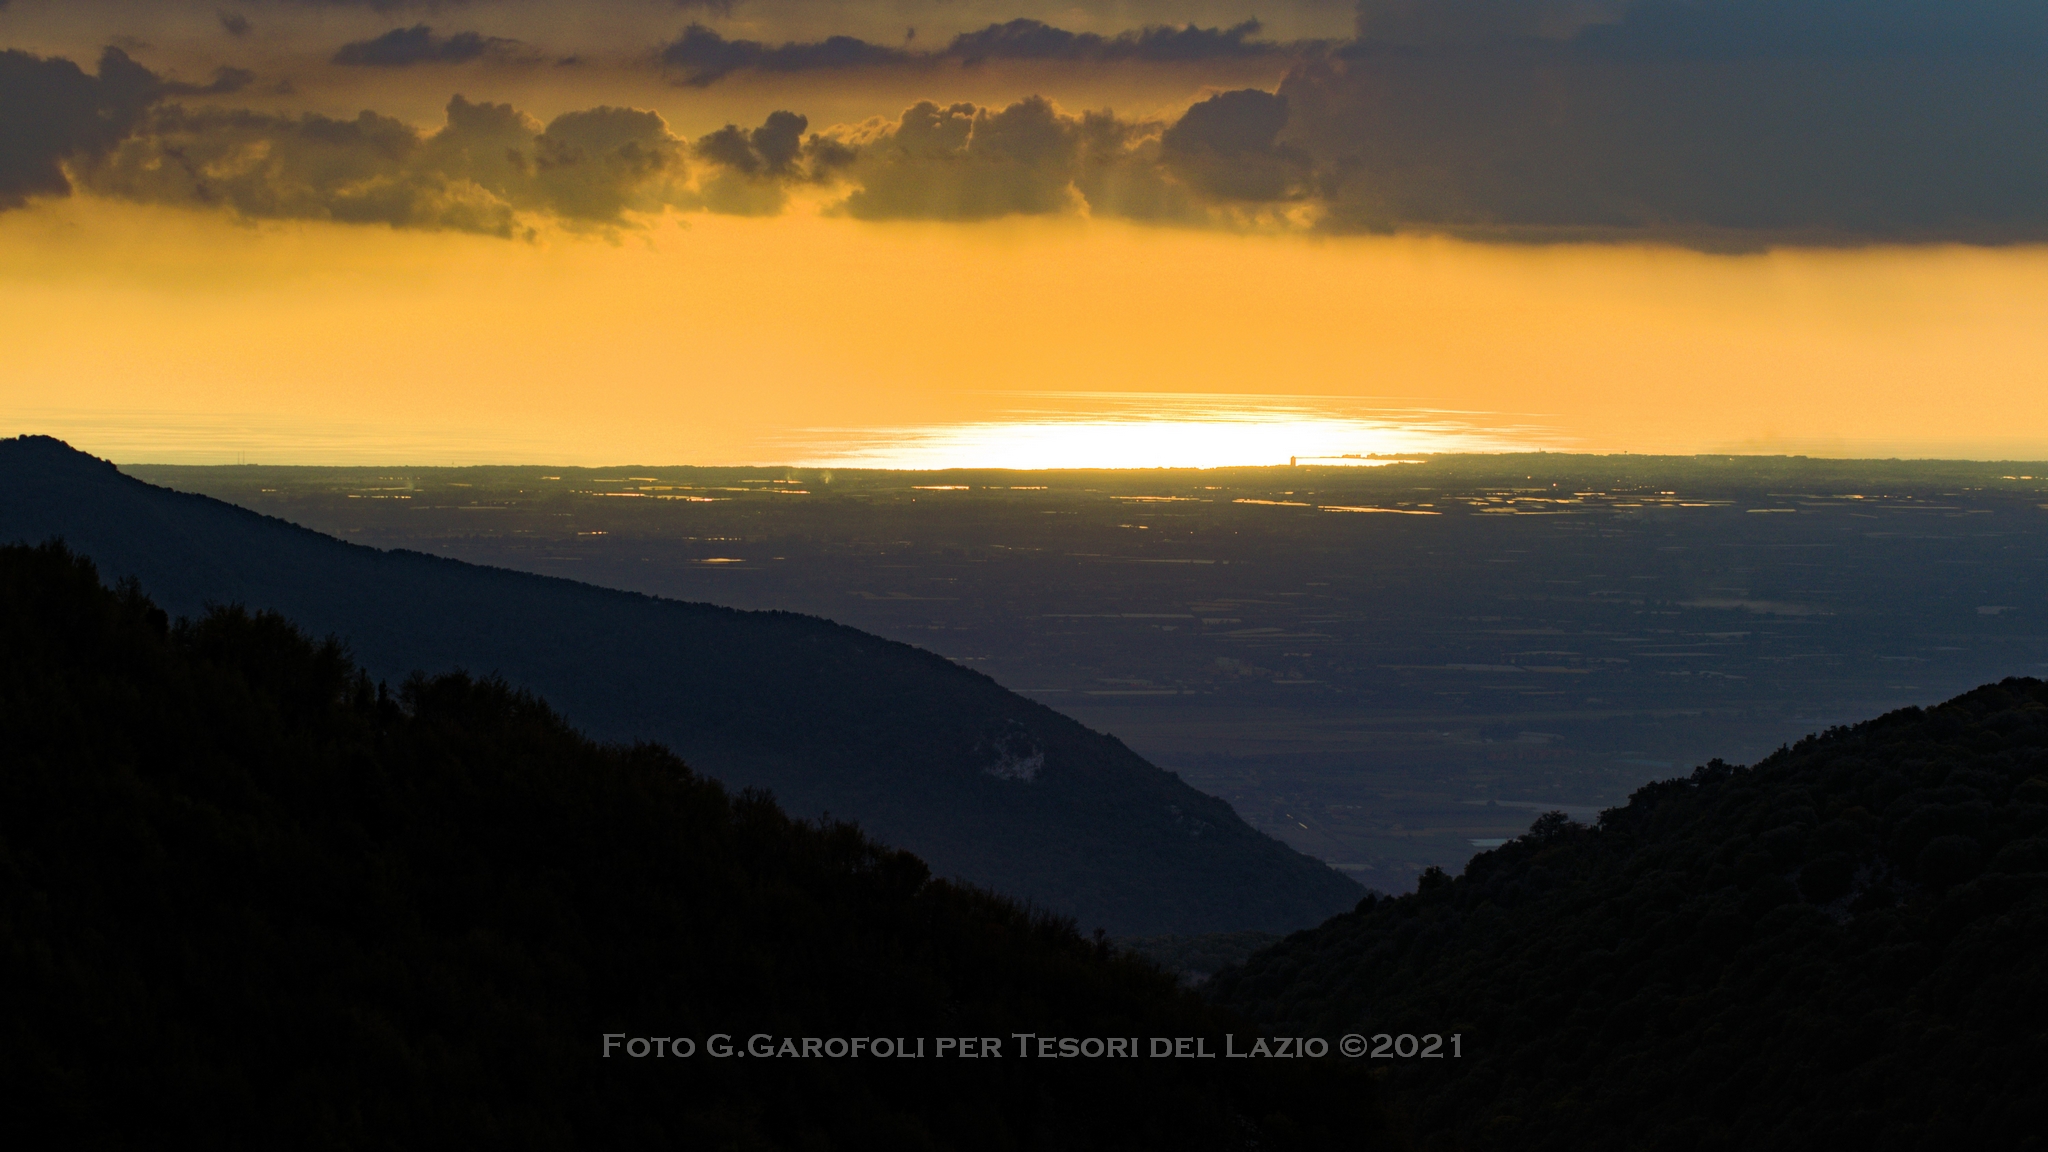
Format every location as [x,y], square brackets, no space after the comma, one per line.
[250,898]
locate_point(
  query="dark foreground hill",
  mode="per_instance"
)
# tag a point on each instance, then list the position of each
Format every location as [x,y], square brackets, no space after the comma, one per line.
[923,753]
[248,900]
[1844,946]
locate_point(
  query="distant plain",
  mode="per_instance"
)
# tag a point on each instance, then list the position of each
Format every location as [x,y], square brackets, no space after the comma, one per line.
[1386,667]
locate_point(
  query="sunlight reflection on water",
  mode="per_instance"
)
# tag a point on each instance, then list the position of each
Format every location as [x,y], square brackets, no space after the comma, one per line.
[1096,430]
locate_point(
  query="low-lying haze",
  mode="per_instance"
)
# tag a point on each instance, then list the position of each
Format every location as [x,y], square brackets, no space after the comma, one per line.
[1385,667]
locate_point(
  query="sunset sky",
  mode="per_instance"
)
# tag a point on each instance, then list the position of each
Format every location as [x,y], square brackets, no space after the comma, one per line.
[1021,233]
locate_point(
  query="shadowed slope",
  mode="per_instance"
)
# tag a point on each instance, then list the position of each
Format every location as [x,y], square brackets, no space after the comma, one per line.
[247,899]
[923,753]
[1844,946]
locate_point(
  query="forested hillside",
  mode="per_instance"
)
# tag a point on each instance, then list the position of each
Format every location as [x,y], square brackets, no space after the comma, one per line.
[251,898]
[1844,946]
[925,754]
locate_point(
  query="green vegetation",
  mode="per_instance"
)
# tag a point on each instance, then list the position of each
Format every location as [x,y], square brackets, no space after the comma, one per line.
[250,898]
[1845,945]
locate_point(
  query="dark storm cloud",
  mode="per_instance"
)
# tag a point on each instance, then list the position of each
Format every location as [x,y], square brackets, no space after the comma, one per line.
[234,23]
[700,56]
[1717,122]
[402,47]
[53,112]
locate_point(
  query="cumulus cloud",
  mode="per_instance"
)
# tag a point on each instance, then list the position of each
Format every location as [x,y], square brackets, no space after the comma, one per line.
[372,169]
[1228,147]
[596,165]
[770,150]
[52,112]
[489,169]
[700,56]
[485,171]
[403,47]
[961,162]
[754,169]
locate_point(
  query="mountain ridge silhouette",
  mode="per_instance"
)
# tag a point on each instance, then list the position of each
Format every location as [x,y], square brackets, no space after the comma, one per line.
[923,753]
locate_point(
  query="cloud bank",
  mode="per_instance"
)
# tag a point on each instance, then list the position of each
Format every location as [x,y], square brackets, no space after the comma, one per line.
[700,56]
[53,113]
[1710,123]
[1218,166]
[477,174]
[402,47]
[490,169]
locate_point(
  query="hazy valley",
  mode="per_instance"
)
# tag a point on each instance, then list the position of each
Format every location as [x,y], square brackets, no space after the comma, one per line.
[226,835]
[1377,665]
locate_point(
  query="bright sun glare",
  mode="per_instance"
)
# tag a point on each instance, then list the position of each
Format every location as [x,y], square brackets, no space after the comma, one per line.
[1170,431]
[1154,431]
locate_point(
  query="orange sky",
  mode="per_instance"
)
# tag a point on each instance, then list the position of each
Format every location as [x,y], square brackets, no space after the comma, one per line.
[161,334]
[1097,232]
